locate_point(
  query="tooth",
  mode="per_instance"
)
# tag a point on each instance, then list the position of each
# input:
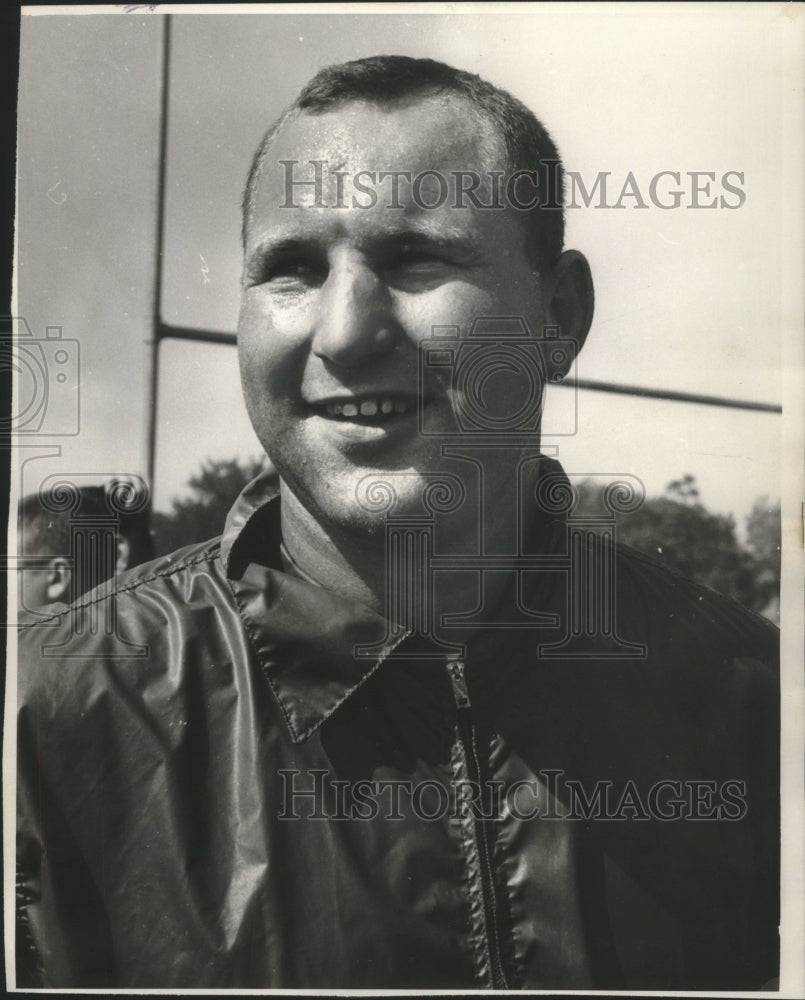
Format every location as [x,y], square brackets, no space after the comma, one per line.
[399,406]
[369,408]
[350,410]
[386,406]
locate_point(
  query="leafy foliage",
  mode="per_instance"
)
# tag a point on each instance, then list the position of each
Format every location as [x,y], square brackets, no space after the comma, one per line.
[764,538]
[677,530]
[201,515]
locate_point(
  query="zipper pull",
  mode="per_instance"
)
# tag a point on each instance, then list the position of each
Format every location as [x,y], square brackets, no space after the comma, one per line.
[455,669]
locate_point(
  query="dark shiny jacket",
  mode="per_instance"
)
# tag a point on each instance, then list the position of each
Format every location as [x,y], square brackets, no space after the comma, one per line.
[215,791]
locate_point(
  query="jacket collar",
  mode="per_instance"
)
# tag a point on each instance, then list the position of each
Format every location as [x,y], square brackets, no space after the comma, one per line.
[315,648]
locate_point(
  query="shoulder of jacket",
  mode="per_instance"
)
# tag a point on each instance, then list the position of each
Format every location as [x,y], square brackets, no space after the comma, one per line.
[118,634]
[140,578]
[679,589]
[694,634]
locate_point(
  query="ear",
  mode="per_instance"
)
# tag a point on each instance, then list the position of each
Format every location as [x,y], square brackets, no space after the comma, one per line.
[569,303]
[59,578]
[123,555]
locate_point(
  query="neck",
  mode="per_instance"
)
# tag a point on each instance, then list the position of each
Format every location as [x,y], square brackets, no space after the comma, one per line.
[348,563]
[357,563]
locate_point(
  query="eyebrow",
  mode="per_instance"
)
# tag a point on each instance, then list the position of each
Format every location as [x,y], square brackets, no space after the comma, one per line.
[271,247]
[446,239]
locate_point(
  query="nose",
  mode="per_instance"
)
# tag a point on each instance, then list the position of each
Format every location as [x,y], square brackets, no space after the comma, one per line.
[355,318]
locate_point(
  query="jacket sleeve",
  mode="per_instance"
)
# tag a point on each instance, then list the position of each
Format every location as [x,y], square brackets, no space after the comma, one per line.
[62,935]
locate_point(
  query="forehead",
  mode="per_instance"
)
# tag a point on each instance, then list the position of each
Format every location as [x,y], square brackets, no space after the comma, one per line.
[318,162]
[428,132]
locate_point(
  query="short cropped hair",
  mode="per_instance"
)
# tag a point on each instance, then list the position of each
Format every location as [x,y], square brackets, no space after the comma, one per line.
[386,79]
[45,520]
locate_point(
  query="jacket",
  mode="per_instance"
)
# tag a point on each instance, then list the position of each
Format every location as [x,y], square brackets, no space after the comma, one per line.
[229,777]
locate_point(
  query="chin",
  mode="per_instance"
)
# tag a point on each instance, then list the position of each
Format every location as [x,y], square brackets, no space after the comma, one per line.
[361,501]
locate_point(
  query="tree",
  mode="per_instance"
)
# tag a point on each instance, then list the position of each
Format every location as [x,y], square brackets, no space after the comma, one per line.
[764,538]
[677,530]
[684,490]
[201,515]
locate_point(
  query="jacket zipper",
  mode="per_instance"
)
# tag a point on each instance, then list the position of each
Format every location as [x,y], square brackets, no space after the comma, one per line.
[469,749]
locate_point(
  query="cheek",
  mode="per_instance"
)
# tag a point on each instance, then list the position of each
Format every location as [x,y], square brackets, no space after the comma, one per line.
[460,303]
[457,303]
[271,351]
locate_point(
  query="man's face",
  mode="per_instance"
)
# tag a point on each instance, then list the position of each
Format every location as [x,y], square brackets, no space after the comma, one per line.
[336,300]
[32,586]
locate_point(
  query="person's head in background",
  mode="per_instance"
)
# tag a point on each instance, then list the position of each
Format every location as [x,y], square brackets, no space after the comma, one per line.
[63,553]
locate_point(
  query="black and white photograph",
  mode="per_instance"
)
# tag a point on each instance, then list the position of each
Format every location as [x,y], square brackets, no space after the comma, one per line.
[405,574]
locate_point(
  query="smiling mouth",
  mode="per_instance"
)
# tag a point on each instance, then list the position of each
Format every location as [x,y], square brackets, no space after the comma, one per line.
[370,410]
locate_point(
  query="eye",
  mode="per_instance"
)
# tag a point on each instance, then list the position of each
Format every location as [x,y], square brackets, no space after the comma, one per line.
[418,268]
[414,256]
[296,272]
[286,273]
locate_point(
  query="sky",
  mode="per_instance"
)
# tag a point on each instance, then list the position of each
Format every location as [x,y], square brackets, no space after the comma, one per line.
[686,299]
